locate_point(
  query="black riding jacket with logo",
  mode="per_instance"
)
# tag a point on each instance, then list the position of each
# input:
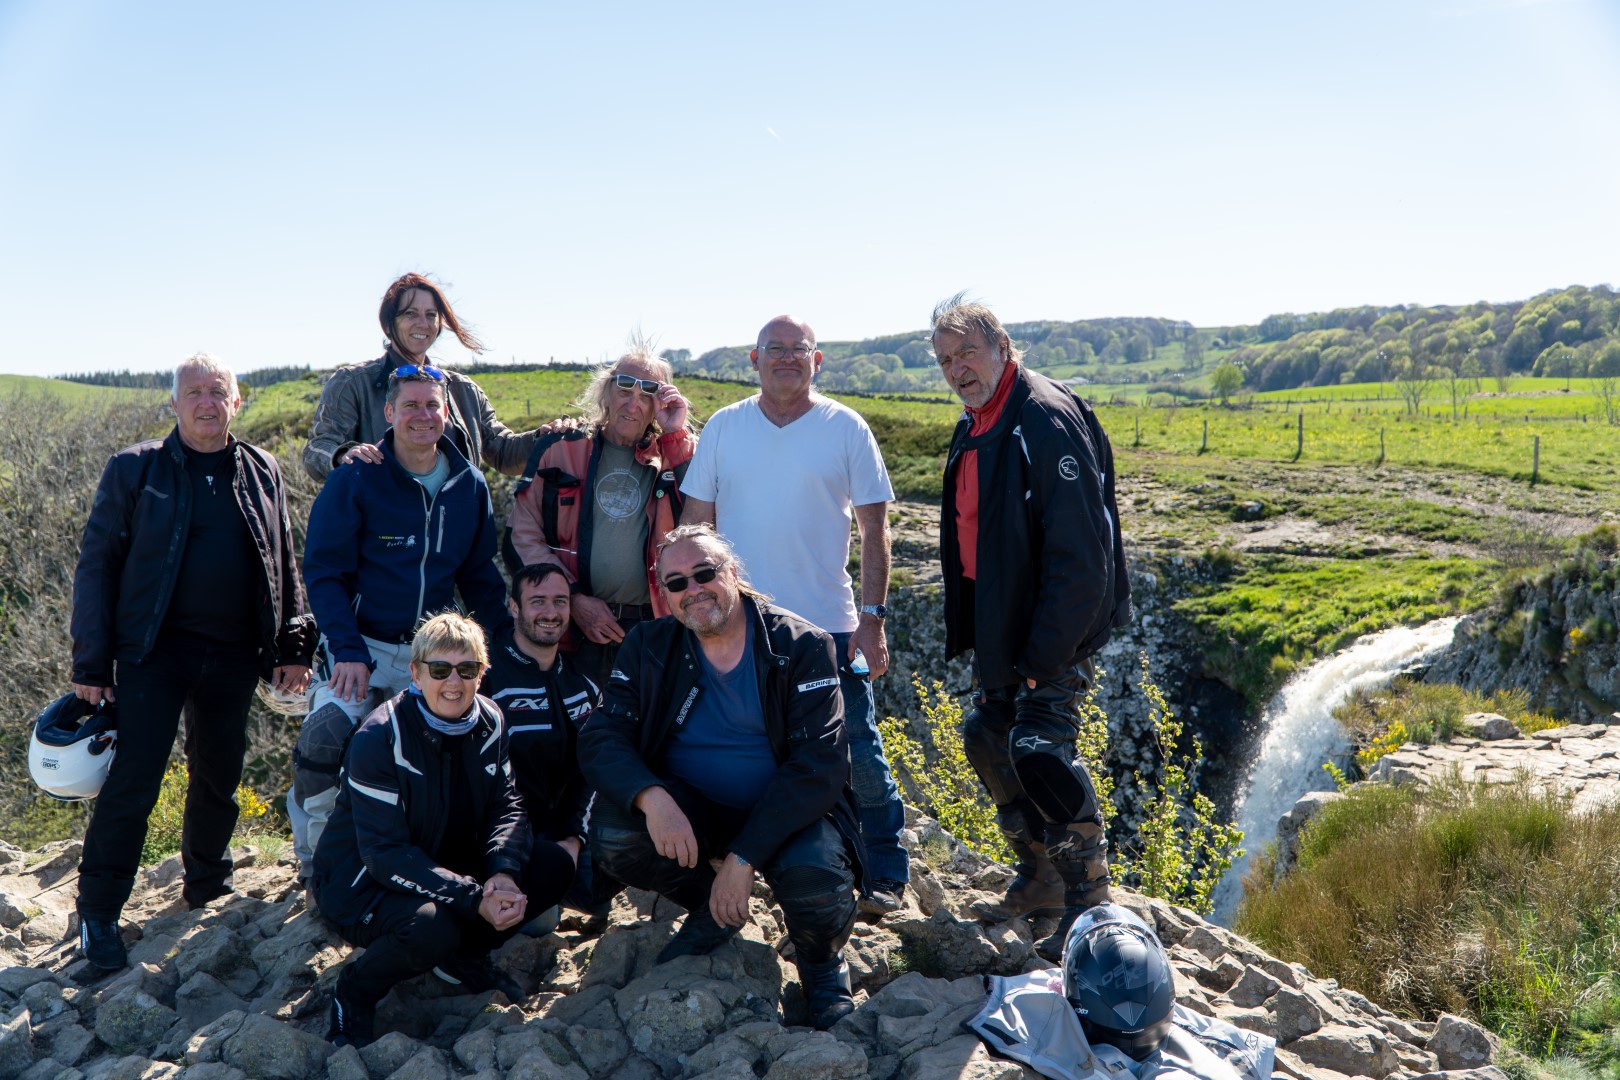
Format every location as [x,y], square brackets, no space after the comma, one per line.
[544,712]
[654,686]
[1052,582]
[135,541]
[392,807]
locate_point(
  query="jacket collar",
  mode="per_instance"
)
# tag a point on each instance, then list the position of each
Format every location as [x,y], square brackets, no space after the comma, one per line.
[458,461]
[177,448]
[507,642]
[1017,394]
[754,612]
[393,358]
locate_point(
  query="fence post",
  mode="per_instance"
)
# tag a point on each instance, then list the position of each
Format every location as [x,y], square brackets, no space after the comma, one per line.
[1299,446]
[1205,445]
[1535,460]
[1380,448]
[1138,441]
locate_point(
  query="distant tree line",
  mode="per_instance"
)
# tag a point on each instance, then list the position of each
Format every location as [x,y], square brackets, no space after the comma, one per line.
[164,380]
[900,363]
[1568,333]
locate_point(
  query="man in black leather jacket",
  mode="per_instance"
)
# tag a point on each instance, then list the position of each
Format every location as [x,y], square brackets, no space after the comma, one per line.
[185,596]
[1035,581]
[723,737]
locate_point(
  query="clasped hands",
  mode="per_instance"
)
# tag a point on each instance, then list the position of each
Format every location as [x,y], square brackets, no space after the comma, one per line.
[504,904]
[673,838]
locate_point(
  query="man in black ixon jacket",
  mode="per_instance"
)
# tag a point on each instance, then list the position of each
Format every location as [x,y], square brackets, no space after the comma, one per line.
[427,862]
[185,596]
[723,737]
[1035,581]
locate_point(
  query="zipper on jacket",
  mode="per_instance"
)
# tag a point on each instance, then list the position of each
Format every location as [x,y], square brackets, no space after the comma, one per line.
[421,569]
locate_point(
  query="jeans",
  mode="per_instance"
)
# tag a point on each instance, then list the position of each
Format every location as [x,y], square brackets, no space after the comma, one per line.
[213,683]
[883,814]
[595,661]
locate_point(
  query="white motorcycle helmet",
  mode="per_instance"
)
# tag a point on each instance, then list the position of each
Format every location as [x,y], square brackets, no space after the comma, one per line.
[283,702]
[72,748]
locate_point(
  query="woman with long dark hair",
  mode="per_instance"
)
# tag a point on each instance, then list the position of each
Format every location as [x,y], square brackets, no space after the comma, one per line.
[349,418]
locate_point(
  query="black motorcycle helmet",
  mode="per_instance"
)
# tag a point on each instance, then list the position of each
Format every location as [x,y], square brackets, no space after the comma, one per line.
[1118,979]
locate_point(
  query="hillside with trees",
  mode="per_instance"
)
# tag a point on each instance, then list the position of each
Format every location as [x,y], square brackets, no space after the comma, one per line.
[1566,333]
[1099,350]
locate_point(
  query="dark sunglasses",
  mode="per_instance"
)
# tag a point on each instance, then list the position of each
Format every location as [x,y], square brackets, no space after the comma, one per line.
[410,371]
[439,670]
[630,382]
[678,582]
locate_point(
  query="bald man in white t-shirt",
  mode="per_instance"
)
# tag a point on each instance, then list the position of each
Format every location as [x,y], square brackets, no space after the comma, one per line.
[780,475]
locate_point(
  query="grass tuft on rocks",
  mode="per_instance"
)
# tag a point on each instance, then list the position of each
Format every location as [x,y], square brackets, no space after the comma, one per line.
[1492,902]
[1380,720]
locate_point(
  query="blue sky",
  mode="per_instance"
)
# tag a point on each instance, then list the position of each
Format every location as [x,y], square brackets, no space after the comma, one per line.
[246,179]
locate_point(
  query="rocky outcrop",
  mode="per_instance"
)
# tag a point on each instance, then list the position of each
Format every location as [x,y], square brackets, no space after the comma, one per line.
[1581,761]
[241,988]
[1553,635]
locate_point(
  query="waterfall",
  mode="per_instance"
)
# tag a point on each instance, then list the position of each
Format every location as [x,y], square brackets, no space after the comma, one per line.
[1301,734]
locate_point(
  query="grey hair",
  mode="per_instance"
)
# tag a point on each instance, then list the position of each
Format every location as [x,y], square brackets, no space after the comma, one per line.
[595,401]
[959,315]
[718,548]
[209,364]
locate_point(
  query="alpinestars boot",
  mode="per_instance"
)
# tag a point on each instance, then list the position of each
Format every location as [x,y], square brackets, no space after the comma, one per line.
[1036,892]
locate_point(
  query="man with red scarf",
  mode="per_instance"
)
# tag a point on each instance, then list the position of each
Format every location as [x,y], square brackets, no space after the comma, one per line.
[1034,582]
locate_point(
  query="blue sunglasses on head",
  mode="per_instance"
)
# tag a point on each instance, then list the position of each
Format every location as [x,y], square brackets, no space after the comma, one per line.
[410,371]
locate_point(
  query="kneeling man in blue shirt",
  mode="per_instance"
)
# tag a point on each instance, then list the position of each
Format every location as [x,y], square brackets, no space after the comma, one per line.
[723,738]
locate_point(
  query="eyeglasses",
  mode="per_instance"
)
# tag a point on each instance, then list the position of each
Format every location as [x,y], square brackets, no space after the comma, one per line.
[798,352]
[678,582]
[439,670]
[630,382]
[411,371]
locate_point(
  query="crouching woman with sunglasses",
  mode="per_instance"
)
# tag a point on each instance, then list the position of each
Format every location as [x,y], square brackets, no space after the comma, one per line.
[427,863]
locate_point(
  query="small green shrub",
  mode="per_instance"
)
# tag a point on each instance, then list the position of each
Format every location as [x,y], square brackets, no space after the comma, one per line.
[164,826]
[943,783]
[1183,848]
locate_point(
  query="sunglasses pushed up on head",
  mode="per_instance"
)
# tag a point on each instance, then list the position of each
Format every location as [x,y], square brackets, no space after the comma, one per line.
[411,371]
[630,382]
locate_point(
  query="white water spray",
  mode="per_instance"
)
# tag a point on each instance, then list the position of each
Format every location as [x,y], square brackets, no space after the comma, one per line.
[1301,733]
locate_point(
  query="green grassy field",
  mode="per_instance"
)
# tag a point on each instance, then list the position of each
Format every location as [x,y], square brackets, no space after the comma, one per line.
[1582,454]
[72,392]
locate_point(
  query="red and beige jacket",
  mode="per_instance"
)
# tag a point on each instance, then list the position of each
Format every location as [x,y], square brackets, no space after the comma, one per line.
[551,513]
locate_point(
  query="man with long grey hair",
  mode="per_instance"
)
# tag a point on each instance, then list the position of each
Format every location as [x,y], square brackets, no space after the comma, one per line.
[722,737]
[597,498]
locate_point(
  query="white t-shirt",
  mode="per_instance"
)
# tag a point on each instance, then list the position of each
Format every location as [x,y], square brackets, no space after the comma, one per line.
[784,495]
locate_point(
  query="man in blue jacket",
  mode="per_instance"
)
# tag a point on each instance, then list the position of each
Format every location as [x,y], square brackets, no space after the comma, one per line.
[389,543]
